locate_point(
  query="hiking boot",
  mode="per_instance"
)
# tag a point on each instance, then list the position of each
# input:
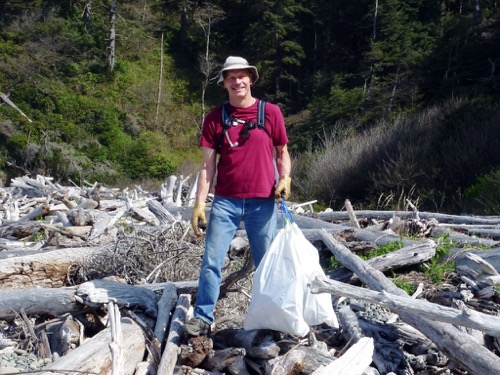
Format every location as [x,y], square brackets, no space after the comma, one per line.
[196,327]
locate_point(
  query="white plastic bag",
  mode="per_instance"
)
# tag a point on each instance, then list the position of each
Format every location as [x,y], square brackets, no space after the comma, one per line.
[281,299]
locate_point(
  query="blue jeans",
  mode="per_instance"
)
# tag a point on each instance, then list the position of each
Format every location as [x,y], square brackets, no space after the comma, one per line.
[259,216]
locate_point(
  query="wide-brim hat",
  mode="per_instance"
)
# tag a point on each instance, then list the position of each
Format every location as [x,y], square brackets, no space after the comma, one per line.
[235,63]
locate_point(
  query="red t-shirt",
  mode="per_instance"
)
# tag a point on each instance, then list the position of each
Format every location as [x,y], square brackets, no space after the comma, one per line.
[248,169]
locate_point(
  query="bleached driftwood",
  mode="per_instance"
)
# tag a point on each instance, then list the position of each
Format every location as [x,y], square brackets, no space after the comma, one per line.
[165,306]
[100,292]
[115,344]
[407,256]
[462,239]
[48,269]
[38,301]
[312,357]
[376,237]
[386,215]
[353,362]
[94,356]
[449,340]
[169,356]
[352,214]
[191,195]
[485,263]
[41,210]
[397,303]
[161,213]
[167,190]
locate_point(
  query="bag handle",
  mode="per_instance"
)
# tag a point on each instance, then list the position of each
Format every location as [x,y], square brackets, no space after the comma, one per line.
[287,215]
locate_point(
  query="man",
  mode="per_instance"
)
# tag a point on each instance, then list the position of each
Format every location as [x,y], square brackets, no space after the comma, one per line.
[251,159]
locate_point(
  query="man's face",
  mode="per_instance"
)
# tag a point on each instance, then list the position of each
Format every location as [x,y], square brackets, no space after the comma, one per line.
[238,82]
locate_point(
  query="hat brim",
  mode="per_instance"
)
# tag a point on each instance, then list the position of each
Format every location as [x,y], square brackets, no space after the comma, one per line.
[253,71]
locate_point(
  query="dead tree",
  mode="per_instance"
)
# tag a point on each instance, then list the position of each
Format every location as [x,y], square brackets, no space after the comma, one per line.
[112,36]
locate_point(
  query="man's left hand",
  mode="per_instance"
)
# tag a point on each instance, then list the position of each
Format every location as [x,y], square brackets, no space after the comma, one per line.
[283,188]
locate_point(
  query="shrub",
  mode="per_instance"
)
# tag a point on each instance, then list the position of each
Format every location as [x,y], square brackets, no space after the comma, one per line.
[147,157]
[484,196]
[433,157]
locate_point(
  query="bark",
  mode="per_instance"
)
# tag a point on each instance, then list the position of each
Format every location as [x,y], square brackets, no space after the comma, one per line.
[43,270]
[162,214]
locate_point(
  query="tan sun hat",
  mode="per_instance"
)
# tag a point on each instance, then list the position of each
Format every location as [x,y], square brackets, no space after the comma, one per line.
[234,63]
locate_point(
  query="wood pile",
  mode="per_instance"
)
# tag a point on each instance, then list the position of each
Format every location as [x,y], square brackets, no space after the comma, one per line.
[100,281]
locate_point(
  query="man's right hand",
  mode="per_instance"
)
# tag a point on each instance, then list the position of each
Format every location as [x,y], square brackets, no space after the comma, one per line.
[198,217]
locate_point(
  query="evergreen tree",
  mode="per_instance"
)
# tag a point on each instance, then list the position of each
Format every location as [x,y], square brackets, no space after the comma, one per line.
[275,41]
[400,44]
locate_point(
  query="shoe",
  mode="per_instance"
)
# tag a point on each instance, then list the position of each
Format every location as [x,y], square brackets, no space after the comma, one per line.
[196,327]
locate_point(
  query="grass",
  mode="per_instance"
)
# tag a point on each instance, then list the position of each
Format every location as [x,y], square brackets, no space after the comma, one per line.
[436,269]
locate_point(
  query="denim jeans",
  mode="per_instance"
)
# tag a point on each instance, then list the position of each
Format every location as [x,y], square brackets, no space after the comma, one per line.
[259,216]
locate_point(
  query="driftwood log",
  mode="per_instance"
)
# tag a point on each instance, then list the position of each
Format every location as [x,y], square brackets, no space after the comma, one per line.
[45,269]
[94,356]
[454,343]
[464,316]
[407,256]
[353,362]
[81,224]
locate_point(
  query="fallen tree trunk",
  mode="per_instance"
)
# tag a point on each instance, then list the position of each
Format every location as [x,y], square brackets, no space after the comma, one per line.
[94,356]
[165,306]
[448,339]
[38,301]
[376,237]
[170,354]
[462,240]
[45,270]
[386,215]
[465,317]
[407,256]
[99,292]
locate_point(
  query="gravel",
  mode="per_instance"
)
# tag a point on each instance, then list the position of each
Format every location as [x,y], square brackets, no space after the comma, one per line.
[18,361]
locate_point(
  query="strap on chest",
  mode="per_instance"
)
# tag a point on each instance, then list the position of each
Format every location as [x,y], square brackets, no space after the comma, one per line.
[228,120]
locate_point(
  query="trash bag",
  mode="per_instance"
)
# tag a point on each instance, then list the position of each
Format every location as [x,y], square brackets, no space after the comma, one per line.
[281,299]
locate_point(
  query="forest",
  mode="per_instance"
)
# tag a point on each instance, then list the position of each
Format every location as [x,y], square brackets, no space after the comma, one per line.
[386,102]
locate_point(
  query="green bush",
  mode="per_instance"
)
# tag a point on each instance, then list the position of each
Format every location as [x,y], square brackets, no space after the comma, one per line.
[430,158]
[484,196]
[147,157]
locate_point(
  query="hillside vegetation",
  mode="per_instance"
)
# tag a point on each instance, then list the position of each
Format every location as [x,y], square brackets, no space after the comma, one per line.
[384,101]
